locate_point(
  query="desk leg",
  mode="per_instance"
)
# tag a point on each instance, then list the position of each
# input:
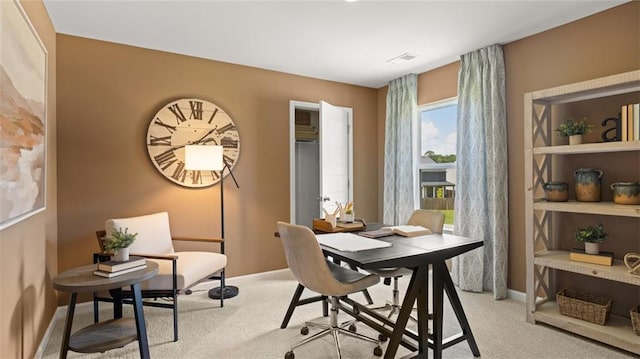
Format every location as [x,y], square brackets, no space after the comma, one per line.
[292,306]
[438,303]
[418,280]
[365,292]
[67,326]
[141,328]
[423,318]
[454,299]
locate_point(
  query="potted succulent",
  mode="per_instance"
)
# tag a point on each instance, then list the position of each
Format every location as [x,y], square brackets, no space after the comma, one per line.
[591,236]
[574,130]
[117,243]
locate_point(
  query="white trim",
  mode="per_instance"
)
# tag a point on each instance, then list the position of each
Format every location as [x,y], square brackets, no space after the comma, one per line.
[293,105]
[438,104]
[516,295]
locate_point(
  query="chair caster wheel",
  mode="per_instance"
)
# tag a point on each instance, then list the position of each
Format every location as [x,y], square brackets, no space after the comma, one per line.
[377,351]
[382,338]
[352,328]
[290,355]
[303,331]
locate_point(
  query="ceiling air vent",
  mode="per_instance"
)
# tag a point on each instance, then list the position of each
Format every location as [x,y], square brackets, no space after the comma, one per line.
[402,58]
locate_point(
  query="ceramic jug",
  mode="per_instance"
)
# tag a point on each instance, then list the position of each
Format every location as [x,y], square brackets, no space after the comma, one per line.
[588,184]
[626,192]
[556,191]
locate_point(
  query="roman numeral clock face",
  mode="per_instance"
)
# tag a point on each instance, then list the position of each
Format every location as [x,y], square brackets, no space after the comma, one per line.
[190,122]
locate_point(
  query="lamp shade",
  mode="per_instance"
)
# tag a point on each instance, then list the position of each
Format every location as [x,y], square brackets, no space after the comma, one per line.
[203,158]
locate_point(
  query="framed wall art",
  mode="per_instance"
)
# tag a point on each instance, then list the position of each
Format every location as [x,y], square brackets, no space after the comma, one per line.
[23,97]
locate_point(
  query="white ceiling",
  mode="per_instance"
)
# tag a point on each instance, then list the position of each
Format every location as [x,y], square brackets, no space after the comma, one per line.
[348,42]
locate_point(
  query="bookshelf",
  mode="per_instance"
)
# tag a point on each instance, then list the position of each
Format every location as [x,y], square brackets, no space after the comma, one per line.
[546,258]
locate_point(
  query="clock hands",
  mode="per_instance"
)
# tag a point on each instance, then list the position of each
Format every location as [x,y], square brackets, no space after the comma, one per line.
[205,136]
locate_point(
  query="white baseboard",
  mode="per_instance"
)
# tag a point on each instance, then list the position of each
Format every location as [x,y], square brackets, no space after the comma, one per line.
[61,312]
[516,295]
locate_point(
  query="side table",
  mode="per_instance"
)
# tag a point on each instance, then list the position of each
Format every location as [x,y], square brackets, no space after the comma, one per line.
[110,334]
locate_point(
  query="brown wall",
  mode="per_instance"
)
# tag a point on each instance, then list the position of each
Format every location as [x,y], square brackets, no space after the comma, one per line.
[603,44]
[28,249]
[108,96]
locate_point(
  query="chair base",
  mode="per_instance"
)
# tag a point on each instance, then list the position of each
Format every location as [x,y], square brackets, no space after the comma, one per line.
[334,329]
[228,292]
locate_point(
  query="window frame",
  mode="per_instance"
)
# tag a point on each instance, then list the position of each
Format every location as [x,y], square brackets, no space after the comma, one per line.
[418,148]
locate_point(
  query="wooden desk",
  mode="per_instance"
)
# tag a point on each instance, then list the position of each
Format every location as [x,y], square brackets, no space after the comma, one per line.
[417,253]
[114,333]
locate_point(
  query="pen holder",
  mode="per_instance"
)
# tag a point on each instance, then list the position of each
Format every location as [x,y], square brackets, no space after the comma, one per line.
[348,217]
[331,218]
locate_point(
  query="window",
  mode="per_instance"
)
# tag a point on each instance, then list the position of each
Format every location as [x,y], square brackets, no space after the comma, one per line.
[437,162]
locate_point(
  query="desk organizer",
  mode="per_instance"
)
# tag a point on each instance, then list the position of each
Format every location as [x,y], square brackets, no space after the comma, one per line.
[582,305]
[321,225]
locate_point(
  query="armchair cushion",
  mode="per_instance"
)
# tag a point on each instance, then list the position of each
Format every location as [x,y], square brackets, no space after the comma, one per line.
[154,233]
[187,275]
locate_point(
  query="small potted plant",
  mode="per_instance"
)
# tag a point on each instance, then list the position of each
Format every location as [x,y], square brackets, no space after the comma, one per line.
[574,130]
[117,243]
[591,236]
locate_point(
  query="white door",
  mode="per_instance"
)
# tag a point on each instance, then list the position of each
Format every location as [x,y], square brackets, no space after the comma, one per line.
[335,157]
[333,172]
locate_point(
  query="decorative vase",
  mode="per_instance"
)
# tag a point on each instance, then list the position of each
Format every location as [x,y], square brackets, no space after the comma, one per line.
[626,192]
[591,248]
[588,184]
[121,255]
[556,191]
[575,139]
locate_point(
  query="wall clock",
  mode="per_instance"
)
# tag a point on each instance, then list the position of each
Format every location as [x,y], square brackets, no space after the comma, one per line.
[190,121]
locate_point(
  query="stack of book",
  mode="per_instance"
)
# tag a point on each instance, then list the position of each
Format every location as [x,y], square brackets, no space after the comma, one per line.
[602,258]
[630,122]
[110,269]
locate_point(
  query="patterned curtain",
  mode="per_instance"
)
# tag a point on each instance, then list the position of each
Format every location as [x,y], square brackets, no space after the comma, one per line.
[402,113]
[481,201]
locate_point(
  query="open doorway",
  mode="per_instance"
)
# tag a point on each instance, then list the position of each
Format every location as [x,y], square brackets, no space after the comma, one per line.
[321,159]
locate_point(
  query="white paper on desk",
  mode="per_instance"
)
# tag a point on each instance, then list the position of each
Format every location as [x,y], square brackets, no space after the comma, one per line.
[349,242]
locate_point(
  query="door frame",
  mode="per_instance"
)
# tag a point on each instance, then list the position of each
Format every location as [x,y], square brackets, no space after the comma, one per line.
[293,105]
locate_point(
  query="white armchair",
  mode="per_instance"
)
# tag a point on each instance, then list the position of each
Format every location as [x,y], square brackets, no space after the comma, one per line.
[178,271]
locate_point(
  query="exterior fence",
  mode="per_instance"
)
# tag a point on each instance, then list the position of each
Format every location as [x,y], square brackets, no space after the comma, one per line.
[437,203]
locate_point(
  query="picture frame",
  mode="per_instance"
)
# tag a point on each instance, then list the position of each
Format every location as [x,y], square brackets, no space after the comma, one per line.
[23,94]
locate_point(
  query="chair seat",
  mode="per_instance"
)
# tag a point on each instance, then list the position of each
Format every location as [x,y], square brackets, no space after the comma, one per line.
[353,281]
[391,272]
[192,267]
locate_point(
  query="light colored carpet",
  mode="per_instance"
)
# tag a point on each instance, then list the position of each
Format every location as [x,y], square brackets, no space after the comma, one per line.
[249,327]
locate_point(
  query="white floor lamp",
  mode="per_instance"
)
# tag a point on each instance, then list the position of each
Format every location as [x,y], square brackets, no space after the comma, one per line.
[211,158]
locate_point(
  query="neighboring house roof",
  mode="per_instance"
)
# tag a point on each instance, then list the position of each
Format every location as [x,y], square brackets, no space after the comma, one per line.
[438,183]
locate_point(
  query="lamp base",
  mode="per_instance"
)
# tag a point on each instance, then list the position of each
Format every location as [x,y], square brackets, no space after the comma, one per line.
[228,292]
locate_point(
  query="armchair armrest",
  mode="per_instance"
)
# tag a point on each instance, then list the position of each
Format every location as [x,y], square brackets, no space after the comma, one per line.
[169,257]
[199,239]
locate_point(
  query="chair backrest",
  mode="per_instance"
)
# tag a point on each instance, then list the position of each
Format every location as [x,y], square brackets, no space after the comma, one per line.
[305,258]
[434,220]
[154,233]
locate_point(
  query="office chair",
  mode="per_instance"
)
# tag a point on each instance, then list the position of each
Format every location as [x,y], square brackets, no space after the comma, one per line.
[178,271]
[314,271]
[434,221]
